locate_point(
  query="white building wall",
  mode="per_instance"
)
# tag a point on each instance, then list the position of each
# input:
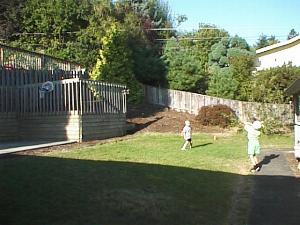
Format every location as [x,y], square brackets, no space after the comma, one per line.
[280,58]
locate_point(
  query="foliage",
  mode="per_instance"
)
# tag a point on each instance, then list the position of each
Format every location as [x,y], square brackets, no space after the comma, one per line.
[210,61]
[231,62]
[271,123]
[272,83]
[242,67]
[264,41]
[73,30]
[292,34]
[184,71]
[54,27]
[207,36]
[226,49]
[186,57]
[217,115]
[115,64]
[222,84]
[10,18]
[148,67]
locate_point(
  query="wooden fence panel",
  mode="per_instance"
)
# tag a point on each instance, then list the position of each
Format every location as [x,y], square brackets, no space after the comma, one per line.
[7,99]
[192,103]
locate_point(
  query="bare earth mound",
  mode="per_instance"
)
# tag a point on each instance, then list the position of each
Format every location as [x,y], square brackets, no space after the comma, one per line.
[153,118]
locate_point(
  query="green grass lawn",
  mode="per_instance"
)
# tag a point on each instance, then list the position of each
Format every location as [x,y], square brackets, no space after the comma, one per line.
[146,179]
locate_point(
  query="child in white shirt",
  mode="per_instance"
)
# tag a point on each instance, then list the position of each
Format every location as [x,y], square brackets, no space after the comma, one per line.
[187,135]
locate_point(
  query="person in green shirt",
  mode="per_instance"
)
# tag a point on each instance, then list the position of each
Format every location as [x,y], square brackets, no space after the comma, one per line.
[253,135]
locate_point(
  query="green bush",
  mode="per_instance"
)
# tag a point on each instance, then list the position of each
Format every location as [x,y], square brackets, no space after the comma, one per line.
[272,123]
[217,115]
[272,83]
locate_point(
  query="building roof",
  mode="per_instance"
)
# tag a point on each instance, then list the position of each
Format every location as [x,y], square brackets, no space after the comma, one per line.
[278,45]
[293,88]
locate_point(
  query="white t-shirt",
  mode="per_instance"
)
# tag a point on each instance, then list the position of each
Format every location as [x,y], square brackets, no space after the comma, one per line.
[252,133]
[187,132]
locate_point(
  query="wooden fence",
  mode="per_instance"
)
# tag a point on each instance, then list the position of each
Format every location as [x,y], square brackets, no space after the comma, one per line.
[192,103]
[15,58]
[7,100]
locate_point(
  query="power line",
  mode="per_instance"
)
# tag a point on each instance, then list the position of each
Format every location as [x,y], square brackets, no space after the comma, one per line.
[172,28]
[210,38]
[162,29]
[43,33]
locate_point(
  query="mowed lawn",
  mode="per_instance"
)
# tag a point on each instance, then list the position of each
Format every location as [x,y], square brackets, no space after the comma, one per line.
[145,179]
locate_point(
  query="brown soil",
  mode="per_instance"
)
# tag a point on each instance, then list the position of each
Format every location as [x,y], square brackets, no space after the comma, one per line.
[293,164]
[152,118]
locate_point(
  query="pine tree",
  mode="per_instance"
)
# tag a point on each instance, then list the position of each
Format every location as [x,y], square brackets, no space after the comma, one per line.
[292,34]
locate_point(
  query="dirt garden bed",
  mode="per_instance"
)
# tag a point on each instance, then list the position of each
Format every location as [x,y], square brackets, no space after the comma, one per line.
[152,118]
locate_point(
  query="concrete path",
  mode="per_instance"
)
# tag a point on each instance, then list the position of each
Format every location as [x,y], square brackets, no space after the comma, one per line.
[276,195]
[11,147]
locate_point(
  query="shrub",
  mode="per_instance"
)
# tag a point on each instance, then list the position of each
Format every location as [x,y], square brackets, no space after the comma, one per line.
[272,123]
[217,115]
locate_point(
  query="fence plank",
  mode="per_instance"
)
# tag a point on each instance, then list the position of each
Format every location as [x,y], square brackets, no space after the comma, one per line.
[192,102]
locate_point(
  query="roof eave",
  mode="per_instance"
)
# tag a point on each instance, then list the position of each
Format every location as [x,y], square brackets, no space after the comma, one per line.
[294,88]
[280,44]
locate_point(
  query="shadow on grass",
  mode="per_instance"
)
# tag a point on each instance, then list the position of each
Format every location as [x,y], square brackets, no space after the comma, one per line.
[137,127]
[143,110]
[44,190]
[202,145]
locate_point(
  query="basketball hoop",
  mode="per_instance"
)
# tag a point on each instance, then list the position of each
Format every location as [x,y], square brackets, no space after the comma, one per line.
[46,88]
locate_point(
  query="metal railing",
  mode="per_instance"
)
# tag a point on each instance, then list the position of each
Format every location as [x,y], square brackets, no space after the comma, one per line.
[71,96]
[16,58]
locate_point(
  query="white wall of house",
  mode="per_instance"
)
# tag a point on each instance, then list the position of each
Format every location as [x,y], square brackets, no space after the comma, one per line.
[279,54]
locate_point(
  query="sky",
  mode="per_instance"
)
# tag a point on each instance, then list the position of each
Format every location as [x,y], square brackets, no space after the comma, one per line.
[245,18]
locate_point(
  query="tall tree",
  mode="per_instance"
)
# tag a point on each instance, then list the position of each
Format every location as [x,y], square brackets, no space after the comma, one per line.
[223,84]
[115,63]
[139,20]
[153,14]
[227,48]
[52,26]
[206,37]
[292,34]
[233,56]
[10,18]
[183,69]
[191,50]
[264,41]
[242,67]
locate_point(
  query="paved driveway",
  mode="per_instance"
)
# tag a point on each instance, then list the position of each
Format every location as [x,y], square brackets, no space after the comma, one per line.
[276,195]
